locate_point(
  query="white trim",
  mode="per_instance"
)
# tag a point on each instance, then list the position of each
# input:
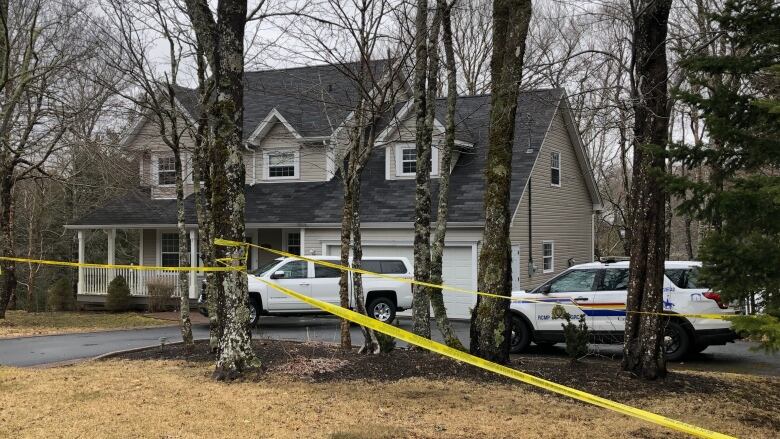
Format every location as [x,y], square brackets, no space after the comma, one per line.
[303,241]
[193,287]
[552,256]
[592,236]
[158,248]
[560,174]
[256,251]
[82,252]
[330,161]
[285,239]
[474,264]
[265,127]
[296,163]
[159,244]
[254,166]
[397,154]
[156,168]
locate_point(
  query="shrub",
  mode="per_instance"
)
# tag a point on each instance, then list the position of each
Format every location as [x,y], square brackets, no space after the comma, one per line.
[160,294]
[118,298]
[59,296]
[576,334]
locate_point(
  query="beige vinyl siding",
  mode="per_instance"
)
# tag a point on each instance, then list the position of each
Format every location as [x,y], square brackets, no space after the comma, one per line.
[312,161]
[560,214]
[150,247]
[406,134]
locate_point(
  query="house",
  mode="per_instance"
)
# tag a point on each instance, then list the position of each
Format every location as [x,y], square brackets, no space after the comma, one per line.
[294,195]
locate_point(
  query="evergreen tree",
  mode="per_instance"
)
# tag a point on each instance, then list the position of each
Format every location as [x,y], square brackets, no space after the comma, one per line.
[736,93]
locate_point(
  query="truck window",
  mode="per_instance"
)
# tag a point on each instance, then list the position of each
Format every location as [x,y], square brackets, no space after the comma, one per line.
[326,272]
[384,266]
[295,270]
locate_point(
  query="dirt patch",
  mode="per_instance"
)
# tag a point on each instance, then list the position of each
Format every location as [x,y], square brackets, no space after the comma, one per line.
[322,363]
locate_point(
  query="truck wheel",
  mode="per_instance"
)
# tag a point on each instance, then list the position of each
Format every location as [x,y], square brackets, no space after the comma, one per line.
[382,309]
[677,341]
[521,335]
[254,312]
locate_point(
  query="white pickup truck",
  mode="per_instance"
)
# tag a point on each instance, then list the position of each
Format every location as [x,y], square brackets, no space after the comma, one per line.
[384,297]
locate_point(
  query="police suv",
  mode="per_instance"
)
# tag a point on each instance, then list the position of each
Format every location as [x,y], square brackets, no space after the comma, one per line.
[599,291]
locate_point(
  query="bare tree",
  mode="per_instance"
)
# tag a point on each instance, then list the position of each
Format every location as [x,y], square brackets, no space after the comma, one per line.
[643,353]
[41,43]
[133,23]
[472,44]
[490,327]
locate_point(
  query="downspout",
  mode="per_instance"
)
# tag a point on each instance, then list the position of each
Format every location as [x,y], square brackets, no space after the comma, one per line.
[530,232]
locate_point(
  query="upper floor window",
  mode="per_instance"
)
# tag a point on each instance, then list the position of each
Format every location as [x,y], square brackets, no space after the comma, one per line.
[555,169]
[281,164]
[548,254]
[406,160]
[166,171]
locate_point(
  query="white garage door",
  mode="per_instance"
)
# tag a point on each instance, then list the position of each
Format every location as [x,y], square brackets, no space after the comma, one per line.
[457,271]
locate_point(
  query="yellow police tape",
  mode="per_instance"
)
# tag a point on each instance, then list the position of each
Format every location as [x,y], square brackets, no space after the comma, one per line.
[120,266]
[410,337]
[445,350]
[451,289]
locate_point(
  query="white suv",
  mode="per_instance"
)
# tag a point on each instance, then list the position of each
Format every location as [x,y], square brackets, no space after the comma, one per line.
[599,291]
[384,297]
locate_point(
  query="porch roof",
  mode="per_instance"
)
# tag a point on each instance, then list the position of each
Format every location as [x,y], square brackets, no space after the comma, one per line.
[382,200]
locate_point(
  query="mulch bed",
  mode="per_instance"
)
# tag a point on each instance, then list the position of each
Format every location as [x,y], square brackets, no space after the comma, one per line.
[320,362]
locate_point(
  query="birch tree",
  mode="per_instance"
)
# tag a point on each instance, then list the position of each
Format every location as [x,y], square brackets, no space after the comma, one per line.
[643,352]
[490,327]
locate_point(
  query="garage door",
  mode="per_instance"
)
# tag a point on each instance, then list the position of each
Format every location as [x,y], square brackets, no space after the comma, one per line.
[457,271]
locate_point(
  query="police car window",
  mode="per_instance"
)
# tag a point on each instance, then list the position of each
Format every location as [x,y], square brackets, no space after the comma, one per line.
[574,281]
[684,277]
[295,270]
[614,279]
[326,272]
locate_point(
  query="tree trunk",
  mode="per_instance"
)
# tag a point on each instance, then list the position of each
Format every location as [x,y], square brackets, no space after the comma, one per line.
[643,353]
[346,236]
[8,285]
[437,246]
[490,328]
[370,345]
[184,257]
[421,308]
[223,43]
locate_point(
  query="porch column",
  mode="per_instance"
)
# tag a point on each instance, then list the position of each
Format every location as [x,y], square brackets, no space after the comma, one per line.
[111,259]
[80,288]
[193,263]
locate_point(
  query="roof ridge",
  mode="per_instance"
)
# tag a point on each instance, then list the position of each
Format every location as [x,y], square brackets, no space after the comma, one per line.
[314,66]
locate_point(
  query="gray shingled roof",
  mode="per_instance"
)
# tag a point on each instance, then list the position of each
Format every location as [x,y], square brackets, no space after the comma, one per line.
[381,200]
[314,100]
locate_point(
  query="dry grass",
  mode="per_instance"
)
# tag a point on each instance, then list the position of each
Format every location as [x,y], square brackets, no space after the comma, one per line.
[173,399]
[22,323]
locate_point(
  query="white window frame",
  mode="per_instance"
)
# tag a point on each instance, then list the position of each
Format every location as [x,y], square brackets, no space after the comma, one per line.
[552,257]
[163,252]
[157,170]
[286,243]
[398,154]
[296,164]
[560,175]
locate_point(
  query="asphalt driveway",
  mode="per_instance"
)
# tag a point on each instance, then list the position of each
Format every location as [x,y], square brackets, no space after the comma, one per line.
[55,349]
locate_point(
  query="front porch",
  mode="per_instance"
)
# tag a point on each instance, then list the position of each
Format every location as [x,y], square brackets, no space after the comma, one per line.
[158,247]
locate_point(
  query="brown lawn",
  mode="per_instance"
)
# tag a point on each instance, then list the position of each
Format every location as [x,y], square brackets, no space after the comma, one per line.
[161,398]
[22,323]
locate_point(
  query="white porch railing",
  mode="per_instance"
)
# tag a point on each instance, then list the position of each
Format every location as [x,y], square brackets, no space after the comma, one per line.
[96,280]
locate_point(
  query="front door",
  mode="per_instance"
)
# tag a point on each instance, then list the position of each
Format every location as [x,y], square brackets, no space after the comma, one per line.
[295,277]
[572,288]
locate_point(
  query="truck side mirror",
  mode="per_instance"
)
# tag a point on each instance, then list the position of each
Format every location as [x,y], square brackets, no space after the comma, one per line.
[278,275]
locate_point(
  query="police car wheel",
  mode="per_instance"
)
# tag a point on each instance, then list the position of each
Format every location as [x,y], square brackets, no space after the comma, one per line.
[677,341]
[520,335]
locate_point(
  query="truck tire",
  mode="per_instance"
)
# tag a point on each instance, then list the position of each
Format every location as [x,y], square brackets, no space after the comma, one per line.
[254,311]
[677,341]
[520,335]
[382,309]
